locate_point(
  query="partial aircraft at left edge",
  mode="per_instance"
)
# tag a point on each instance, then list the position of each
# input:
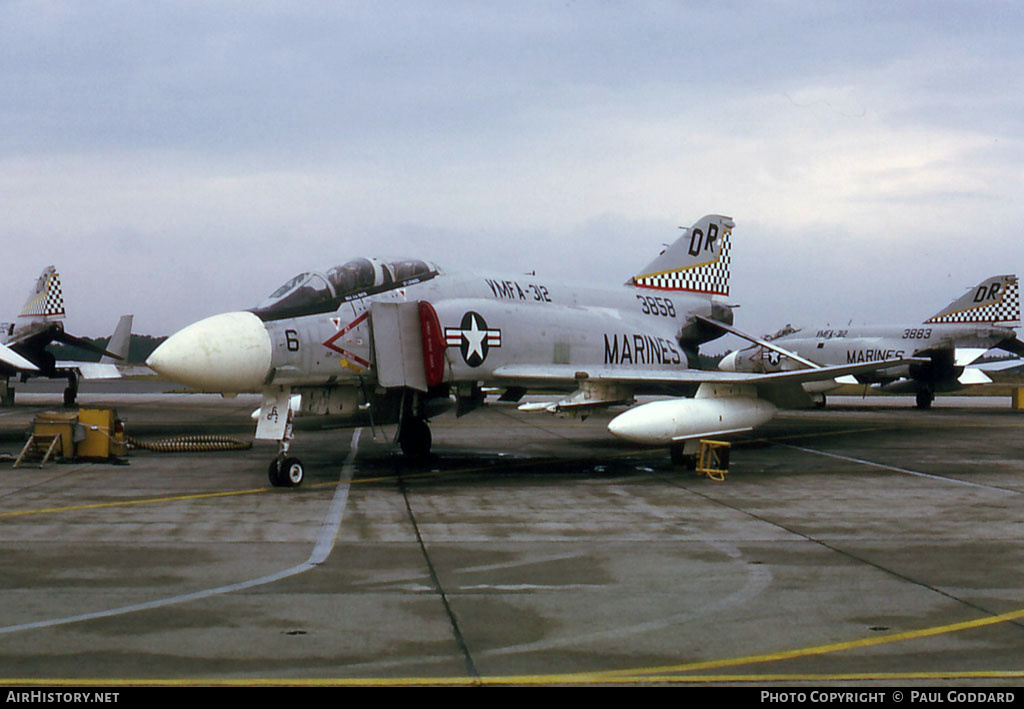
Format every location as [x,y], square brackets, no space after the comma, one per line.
[23,350]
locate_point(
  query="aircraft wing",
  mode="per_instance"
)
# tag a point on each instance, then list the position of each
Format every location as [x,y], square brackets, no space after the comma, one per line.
[973,375]
[1001,366]
[107,370]
[963,356]
[111,364]
[781,388]
[91,370]
[555,374]
[13,359]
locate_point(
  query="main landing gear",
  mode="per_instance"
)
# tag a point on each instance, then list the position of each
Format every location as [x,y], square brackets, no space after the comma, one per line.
[71,390]
[414,437]
[684,454]
[6,392]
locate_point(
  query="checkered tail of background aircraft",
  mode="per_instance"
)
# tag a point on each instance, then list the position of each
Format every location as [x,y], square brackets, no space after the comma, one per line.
[994,301]
[45,300]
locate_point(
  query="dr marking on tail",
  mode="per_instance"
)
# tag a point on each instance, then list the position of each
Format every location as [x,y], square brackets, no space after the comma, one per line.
[400,341]
[23,350]
[947,343]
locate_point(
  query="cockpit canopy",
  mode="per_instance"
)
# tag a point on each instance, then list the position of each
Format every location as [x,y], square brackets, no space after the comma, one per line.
[319,292]
[783,332]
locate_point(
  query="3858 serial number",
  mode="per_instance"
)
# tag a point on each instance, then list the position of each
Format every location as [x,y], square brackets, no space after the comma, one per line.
[653,305]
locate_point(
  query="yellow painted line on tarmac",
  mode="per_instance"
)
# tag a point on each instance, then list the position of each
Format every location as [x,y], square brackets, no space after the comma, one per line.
[125,503]
[227,493]
[254,682]
[822,677]
[824,649]
[669,674]
[517,680]
[258,490]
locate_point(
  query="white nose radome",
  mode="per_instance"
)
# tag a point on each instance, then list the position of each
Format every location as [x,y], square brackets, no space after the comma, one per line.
[226,353]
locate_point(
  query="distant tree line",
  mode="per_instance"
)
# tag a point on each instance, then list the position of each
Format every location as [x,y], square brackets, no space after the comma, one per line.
[710,361]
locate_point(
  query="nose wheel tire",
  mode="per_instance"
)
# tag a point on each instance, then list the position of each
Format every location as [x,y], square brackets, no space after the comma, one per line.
[286,473]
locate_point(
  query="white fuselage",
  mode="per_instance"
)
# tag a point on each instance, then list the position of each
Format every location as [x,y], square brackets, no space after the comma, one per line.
[489,322]
[857,344]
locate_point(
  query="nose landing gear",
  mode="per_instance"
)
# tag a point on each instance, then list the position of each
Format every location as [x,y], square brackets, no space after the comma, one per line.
[285,470]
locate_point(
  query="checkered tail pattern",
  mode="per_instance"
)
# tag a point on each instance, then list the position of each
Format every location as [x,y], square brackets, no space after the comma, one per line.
[1004,311]
[48,300]
[711,277]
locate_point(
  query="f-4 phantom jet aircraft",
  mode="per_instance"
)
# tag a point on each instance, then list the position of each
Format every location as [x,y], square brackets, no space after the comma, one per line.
[946,343]
[398,341]
[23,352]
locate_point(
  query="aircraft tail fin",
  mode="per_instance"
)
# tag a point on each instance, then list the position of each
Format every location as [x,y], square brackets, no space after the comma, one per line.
[697,262]
[120,341]
[45,300]
[995,301]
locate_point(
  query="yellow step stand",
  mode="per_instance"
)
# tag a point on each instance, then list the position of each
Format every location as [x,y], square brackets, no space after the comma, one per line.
[52,436]
[713,459]
[40,447]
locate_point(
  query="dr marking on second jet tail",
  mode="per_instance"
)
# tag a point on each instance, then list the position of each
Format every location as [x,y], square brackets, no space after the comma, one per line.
[981,319]
[377,341]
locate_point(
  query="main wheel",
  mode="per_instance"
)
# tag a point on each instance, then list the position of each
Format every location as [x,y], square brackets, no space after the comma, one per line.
[687,461]
[415,438]
[924,399]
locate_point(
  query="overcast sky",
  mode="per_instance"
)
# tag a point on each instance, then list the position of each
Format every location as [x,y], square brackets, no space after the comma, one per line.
[178,159]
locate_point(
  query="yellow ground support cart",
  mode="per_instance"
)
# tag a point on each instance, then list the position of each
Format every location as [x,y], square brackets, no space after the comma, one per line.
[96,434]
